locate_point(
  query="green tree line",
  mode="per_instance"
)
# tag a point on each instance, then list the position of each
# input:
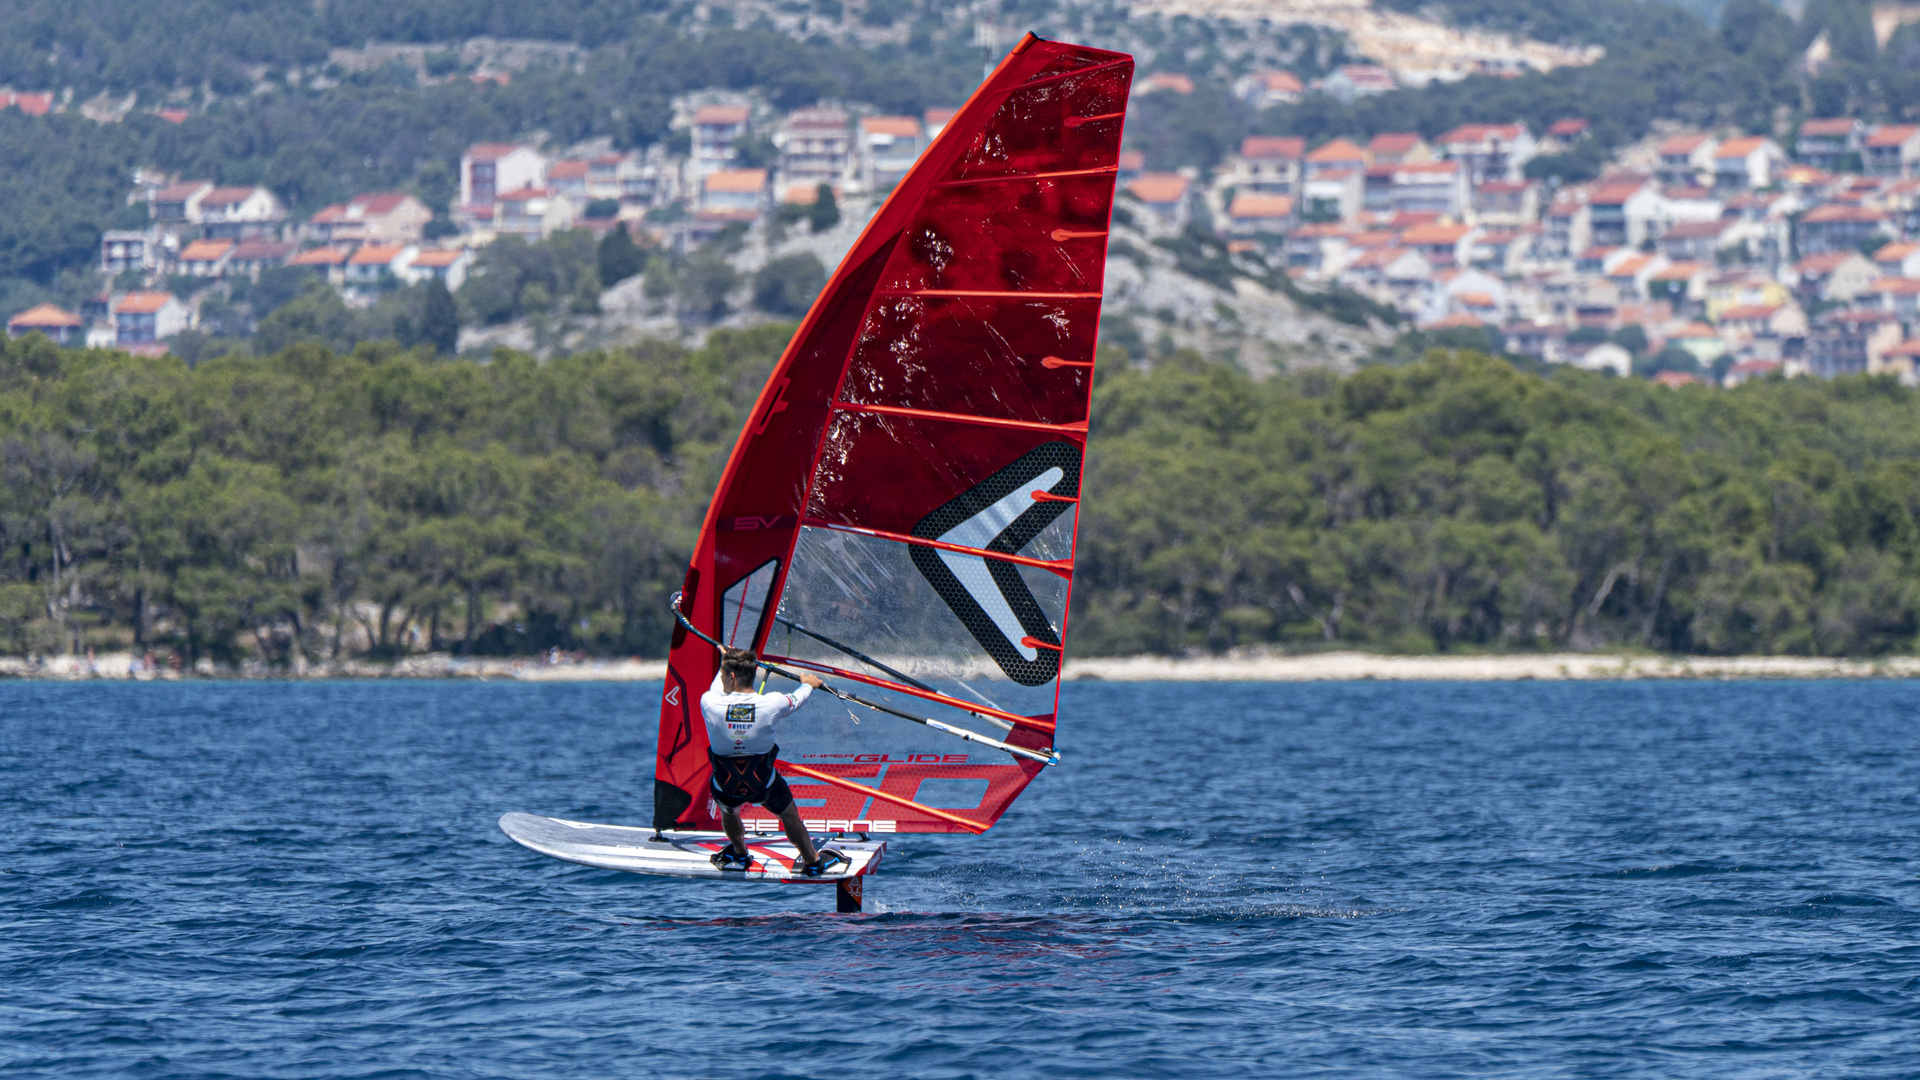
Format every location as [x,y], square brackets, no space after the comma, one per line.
[387,502]
[1457,503]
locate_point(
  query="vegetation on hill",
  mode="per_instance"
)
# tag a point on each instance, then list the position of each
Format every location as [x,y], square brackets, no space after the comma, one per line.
[262,505]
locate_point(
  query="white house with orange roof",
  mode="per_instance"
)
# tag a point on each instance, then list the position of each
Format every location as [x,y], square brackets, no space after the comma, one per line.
[1265,89]
[60,325]
[1621,210]
[1255,214]
[240,213]
[178,202]
[1358,80]
[206,258]
[1892,150]
[1900,258]
[533,212]
[449,265]
[1267,164]
[568,178]
[1398,148]
[1442,245]
[1428,187]
[715,129]
[1834,275]
[1747,164]
[1900,295]
[1686,160]
[490,170]
[1334,187]
[1335,155]
[1489,151]
[143,318]
[388,217]
[1164,194]
[1828,143]
[889,145]
[819,146]
[375,268]
[742,191]
[329,262]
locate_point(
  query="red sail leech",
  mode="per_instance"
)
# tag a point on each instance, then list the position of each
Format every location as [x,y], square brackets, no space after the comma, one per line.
[905,493]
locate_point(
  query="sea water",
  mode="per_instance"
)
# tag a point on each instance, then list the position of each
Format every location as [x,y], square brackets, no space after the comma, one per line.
[1373,879]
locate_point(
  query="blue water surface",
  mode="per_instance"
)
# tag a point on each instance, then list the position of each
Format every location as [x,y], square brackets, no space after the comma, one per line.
[1374,879]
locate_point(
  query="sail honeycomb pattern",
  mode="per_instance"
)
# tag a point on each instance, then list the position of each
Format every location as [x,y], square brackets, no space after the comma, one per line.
[899,513]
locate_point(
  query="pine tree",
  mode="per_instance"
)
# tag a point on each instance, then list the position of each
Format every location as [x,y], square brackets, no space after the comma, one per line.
[620,257]
[825,213]
[440,319]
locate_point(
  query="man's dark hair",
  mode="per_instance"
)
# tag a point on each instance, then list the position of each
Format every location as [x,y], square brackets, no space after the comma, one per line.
[738,664]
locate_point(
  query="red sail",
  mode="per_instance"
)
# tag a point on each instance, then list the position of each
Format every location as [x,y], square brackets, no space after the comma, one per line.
[899,513]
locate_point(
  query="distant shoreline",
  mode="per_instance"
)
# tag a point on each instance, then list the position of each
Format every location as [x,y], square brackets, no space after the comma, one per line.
[1250,666]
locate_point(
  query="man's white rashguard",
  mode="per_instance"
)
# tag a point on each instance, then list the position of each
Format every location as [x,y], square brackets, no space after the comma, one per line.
[741,747]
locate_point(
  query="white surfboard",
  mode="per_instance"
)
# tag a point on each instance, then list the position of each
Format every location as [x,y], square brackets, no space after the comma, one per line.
[679,854]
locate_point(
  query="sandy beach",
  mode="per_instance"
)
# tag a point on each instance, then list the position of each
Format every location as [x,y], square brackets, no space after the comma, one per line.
[1249,666]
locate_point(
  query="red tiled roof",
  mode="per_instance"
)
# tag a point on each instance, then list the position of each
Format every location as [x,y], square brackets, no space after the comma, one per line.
[1616,193]
[1749,313]
[737,181]
[1895,252]
[182,191]
[1280,82]
[897,126]
[938,117]
[1272,147]
[379,204]
[43,317]
[568,170]
[1167,80]
[258,250]
[492,151]
[376,255]
[324,256]
[1739,148]
[228,196]
[142,303]
[1434,234]
[440,257]
[1339,151]
[1841,213]
[1247,204]
[1892,135]
[720,114]
[205,250]
[1569,126]
[1681,145]
[1394,142]
[1479,132]
[1158,187]
[1838,125]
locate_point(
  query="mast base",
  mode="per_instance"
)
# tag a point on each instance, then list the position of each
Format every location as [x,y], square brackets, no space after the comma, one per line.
[847,896]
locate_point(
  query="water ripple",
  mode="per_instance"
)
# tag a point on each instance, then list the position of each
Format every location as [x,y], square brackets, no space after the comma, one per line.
[304,880]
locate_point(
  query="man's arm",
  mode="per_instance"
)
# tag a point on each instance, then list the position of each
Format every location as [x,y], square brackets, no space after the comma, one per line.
[808,682]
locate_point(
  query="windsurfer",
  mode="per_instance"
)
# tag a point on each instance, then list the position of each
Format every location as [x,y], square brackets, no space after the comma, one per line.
[740,746]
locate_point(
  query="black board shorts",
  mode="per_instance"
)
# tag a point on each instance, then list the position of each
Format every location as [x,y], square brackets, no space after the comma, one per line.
[750,778]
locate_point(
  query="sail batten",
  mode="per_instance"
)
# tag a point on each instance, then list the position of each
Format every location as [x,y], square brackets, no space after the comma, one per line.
[906,490]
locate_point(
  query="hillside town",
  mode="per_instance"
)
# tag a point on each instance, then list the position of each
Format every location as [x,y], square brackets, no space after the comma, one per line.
[1697,256]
